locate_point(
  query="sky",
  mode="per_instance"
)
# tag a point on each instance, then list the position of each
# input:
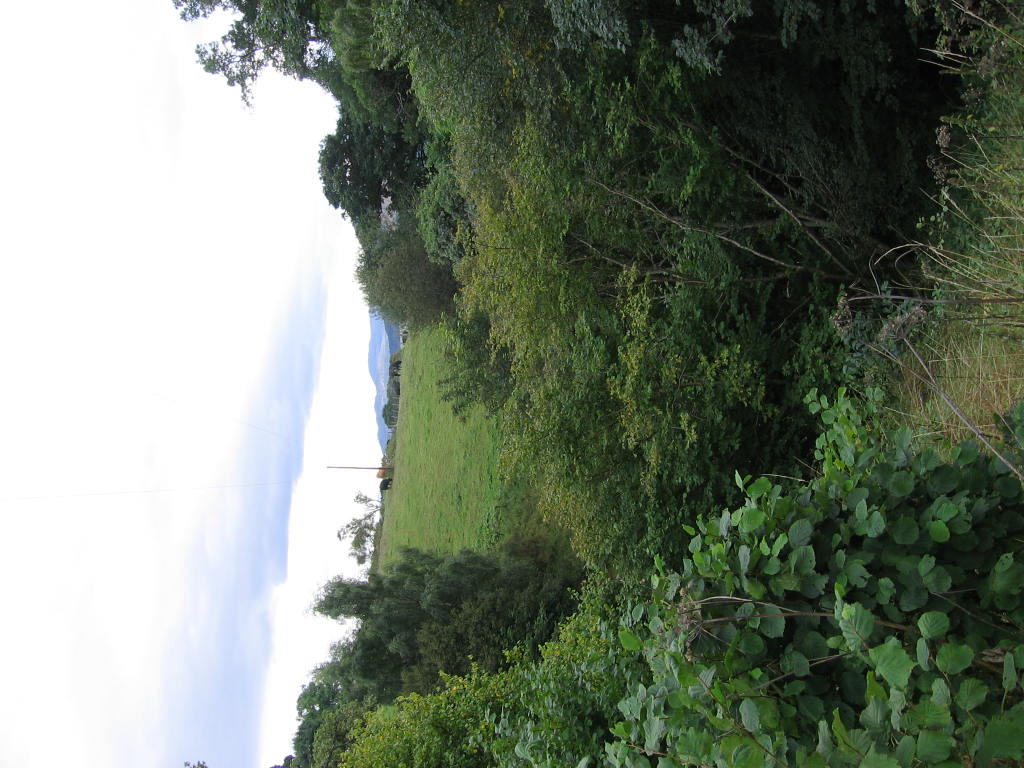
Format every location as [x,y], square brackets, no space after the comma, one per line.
[183,352]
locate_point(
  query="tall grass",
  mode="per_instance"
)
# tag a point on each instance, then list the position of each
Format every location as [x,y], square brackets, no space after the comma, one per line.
[967,364]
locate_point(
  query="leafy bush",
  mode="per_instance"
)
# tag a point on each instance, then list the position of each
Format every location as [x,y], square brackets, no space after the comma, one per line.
[398,279]
[564,703]
[441,730]
[426,615]
[872,616]
[444,217]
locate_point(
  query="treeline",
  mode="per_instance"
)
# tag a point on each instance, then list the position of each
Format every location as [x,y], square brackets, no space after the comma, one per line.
[423,616]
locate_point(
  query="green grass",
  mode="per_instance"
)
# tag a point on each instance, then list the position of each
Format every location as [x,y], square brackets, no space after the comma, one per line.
[969,366]
[447,493]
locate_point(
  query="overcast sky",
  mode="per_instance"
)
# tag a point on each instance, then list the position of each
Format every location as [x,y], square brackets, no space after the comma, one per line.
[183,353]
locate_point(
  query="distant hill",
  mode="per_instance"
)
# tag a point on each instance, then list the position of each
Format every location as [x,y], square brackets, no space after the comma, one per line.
[385,340]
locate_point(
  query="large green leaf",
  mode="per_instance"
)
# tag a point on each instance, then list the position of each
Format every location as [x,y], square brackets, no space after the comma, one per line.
[971,693]
[905,530]
[795,663]
[953,658]
[857,625]
[750,716]
[944,479]
[1004,735]
[1009,673]
[875,525]
[933,624]
[939,531]
[629,641]
[800,532]
[892,662]
[901,484]
[933,746]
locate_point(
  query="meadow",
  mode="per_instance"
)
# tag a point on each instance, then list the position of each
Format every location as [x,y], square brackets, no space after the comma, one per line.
[448,493]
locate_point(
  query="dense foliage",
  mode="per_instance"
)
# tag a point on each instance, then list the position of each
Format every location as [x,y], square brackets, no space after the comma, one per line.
[423,616]
[872,616]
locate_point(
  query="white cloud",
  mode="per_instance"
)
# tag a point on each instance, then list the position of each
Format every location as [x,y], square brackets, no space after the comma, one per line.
[156,237]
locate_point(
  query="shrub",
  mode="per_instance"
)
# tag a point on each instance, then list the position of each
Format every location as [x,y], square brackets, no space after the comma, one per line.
[872,616]
[442,730]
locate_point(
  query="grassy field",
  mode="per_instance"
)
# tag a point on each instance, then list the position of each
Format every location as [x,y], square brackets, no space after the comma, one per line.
[447,494]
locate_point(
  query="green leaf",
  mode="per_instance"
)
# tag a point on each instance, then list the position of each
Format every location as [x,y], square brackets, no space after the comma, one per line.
[758,488]
[944,479]
[905,531]
[875,716]
[861,510]
[855,497]
[750,644]
[923,654]
[874,760]
[971,693]
[781,541]
[925,564]
[743,555]
[897,703]
[966,453]
[772,625]
[800,533]
[892,662]
[857,624]
[875,525]
[619,729]
[1003,563]
[939,531]
[933,746]
[1004,735]
[933,624]
[905,750]
[654,729]
[927,714]
[938,580]
[1009,673]
[750,716]
[795,663]
[885,589]
[725,521]
[801,560]
[630,641]
[856,574]
[752,519]
[901,484]
[825,745]
[926,461]
[946,511]
[1007,486]
[953,658]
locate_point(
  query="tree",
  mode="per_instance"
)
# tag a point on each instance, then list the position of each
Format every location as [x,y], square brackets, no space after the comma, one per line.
[361,529]
[367,167]
[399,279]
[427,614]
[285,35]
